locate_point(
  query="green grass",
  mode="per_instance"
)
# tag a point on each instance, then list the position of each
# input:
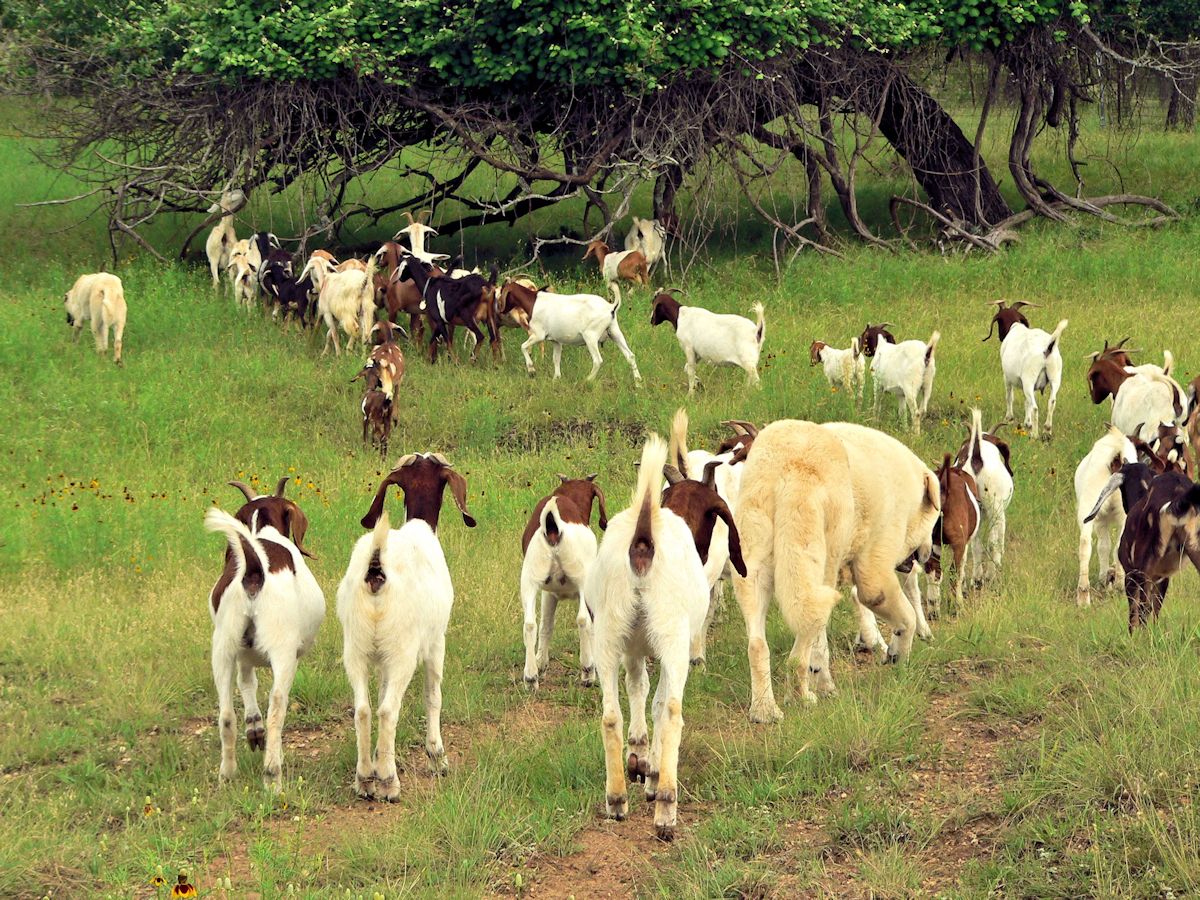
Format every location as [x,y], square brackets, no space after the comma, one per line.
[105,690]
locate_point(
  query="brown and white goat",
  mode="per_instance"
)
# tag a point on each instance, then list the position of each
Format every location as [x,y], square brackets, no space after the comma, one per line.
[557,548]
[956,527]
[266,609]
[625,265]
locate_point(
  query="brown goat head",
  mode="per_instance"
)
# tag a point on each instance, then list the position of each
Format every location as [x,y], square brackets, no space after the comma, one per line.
[423,478]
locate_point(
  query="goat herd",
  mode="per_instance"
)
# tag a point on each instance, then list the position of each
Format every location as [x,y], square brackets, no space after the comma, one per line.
[792,510]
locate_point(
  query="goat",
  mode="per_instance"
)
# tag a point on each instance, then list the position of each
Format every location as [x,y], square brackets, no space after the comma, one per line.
[817,499]
[394,605]
[243,279]
[417,231]
[557,548]
[905,369]
[846,369]
[451,301]
[266,610]
[346,299]
[956,527]
[1160,530]
[1171,443]
[568,319]
[648,594]
[378,412]
[293,296]
[223,236]
[990,462]
[649,238]
[742,438]
[1143,396]
[386,358]
[1030,359]
[1106,518]
[400,295]
[698,473]
[100,298]
[629,265]
[723,340]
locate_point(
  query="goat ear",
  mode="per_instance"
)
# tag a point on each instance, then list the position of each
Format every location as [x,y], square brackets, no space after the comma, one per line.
[672,474]
[933,491]
[297,526]
[722,512]
[992,327]
[368,521]
[458,488]
[243,488]
[599,495]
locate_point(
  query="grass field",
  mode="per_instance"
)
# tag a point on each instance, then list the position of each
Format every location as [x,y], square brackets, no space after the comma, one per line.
[1031,750]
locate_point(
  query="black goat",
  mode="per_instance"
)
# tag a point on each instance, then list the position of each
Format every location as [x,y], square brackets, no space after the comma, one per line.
[451,301]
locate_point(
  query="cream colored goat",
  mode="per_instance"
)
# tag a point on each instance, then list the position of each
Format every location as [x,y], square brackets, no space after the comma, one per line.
[100,298]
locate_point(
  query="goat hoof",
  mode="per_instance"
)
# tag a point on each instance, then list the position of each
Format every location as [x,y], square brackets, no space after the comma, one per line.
[633,772]
[1083,599]
[587,676]
[364,786]
[697,661]
[439,763]
[386,788]
[616,806]
[256,735]
[273,780]
[227,772]
[765,714]
[665,833]
[531,682]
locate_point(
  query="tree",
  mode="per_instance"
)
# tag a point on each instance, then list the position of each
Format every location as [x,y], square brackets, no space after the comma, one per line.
[172,103]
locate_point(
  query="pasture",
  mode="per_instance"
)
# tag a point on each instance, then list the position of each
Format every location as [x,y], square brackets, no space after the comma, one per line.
[1031,749]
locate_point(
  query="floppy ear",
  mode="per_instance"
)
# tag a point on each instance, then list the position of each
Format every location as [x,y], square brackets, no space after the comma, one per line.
[296,524]
[599,495]
[735,542]
[458,487]
[933,491]
[368,521]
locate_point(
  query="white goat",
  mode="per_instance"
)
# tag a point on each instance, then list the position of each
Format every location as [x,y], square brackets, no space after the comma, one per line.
[417,232]
[266,610]
[223,236]
[347,299]
[845,369]
[559,546]
[905,369]
[720,339]
[649,237]
[987,457]
[100,298]
[1105,458]
[1145,399]
[570,319]
[648,593]
[243,280]
[394,603]
[1030,359]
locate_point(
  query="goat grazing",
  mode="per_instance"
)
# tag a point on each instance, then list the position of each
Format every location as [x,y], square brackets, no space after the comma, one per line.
[845,369]
[905,370]
[1104,519]
[989,460]
[1030,359]
[815,500]
[720,339]
[346,299]
[627,265]
[648,594]
[568,319]
[266,609]
[394,604]
[100,298]
[558,546]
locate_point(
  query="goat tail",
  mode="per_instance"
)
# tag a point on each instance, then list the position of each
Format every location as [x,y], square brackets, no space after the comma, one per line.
[931,347]
[550,522]
[760,317]
[1168,362]
[1054,337]
[252,564]
[650,473]
[677,451]
[855,348]
[975,437]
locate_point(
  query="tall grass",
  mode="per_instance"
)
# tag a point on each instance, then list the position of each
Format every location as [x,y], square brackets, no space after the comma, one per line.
[105,690]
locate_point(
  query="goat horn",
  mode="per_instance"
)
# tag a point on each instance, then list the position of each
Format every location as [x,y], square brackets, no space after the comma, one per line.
[1000,303]
[997,427]
[591,477]
[407,460]
[672,474]
[242,487]
[1021,303]
[1124,340]
[671,290]
[283,483]
[437,457]
[408,215]
[885,325]
[423,215]
[746,428]
[563,478]
[1094,354]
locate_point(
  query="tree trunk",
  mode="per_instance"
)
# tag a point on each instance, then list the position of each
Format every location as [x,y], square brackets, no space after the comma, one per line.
[1181,107]
[939,154]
